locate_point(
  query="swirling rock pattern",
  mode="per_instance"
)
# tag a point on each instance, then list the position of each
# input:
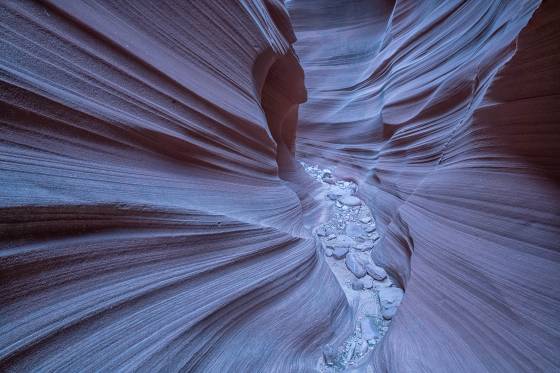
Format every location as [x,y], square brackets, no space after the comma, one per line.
[152,216]
[144,224]
[446,114]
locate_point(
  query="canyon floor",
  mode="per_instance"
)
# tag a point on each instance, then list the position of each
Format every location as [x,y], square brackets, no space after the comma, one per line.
[155,216]
[347,240]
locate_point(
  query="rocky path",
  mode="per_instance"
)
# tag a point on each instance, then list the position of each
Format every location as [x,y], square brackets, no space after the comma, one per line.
[347,240]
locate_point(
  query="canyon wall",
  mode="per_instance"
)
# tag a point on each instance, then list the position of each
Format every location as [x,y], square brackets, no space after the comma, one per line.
[449,122]
[144,222]
[153,217]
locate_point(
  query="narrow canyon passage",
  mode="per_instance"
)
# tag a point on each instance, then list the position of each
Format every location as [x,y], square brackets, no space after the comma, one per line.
[348,238]
[279,186]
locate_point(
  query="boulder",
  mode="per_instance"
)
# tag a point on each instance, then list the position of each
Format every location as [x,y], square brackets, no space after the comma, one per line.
[339,252]
[350,201]
[376,272]
[365,282]
[390,298]
[354,229]
[330,354]
[364,246]
[341,241]
[369,329]
[356,265]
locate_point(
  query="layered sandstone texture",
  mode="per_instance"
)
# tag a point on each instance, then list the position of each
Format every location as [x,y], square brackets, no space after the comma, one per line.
[447,114]
[153,216]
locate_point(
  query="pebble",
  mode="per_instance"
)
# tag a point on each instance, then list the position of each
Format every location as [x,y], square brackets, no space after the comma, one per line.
[350,201]
[369,228]
[329,252]
[357,285]
[362,348]
[353,229]
[365,220]
[390,298]
[362,283]
[329,180]
[349,350]
[355,265]
[341,241]
[389,312]
[329,355]
[365,246]
[321,231]
[382,284]
[333,196]
[340,252]
[376,272]
[331,236]
[369,329]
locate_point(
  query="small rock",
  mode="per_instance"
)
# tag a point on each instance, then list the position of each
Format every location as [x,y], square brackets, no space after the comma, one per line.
[365,246]
[341,241]
[355,265]
[365,220]
[349,350]
[369,329]
[357,284]
[321,231]
[361,348]
[350,201]
[376,272]
[390,298]
[353,229]
[369,228]
[340,252]
[362,283]
[383,284]
[329,252]
[329,180]
[389,312]
[370,308]
[391,295]
[367,281]
[331,236]
[329,355]
[333,196]
[338,204]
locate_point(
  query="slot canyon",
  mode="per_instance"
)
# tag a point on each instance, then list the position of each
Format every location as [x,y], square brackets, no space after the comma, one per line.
[280,186]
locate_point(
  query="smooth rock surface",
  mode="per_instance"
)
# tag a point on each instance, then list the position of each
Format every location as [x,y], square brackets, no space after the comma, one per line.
[369,330]
[446,114]
[339,252]
[350,201]
[356,264]
[153,216]
[376,272]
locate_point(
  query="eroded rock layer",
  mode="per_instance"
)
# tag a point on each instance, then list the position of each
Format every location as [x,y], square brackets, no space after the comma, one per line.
[447,115]
[153,217]
[145,224]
